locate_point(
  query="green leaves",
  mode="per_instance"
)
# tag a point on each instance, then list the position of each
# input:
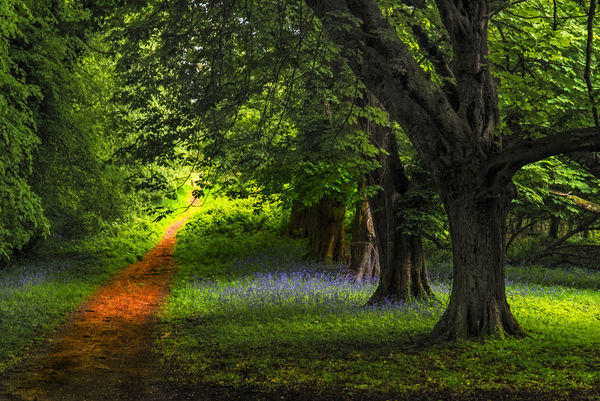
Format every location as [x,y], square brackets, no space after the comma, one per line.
[21,215]
[537,56]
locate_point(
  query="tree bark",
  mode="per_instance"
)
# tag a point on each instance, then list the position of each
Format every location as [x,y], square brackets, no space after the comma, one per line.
[299,222]
[326,231]
[403,274]
[364,259]
[478,305]
[554,226]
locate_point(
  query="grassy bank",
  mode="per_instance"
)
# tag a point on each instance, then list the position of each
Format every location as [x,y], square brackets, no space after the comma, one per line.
[247,312]
[37,294]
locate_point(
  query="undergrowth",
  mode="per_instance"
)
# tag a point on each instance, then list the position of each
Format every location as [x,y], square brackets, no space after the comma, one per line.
[248,312]
[38,293]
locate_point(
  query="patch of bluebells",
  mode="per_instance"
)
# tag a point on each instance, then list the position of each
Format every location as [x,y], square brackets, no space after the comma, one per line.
[303,290]
[18,289]
[280,281]
[21,281]
[20,277]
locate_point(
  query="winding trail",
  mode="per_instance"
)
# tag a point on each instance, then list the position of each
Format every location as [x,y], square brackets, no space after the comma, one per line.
[104,351]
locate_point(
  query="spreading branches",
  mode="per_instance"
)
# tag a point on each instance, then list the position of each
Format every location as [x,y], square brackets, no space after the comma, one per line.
[521,151]
[401,86]
[466,24]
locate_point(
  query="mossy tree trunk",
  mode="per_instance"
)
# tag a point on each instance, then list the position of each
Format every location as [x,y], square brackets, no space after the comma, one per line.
[478,304]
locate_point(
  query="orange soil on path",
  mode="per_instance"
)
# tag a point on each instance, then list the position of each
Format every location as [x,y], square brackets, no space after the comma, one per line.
[104,351]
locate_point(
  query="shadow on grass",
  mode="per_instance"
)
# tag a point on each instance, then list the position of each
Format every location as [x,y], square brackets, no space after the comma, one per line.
[201,392]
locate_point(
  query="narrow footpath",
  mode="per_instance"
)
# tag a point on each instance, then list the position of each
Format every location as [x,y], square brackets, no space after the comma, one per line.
[105,350]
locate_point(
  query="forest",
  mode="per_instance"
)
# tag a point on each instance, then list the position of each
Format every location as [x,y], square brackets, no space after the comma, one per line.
[299,200]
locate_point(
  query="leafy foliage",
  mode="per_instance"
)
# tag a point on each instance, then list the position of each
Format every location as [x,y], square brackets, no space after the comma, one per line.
[21,214]
[262,106]
[228,228]
[537,55]
[59,127]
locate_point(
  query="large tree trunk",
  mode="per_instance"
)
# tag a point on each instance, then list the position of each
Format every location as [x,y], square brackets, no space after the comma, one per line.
[299,222]
[326,231]
[402,263]
[478,303]
[364,259]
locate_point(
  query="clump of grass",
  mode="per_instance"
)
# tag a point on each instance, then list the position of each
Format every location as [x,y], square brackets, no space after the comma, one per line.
[257,315]
[35,297]
[224,229]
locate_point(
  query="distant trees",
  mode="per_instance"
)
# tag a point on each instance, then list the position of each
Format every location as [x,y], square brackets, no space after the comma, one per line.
[266,105]
[272,109]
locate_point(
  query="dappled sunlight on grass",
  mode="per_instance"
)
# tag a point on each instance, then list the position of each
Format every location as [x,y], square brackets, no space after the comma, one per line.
[269,319]
[311,328]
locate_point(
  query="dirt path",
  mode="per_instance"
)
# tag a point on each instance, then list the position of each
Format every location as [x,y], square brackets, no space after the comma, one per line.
[104,351]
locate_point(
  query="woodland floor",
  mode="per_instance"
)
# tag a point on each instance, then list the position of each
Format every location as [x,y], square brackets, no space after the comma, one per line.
[105,351]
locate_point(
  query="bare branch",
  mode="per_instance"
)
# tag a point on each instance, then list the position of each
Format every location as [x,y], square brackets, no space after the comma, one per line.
[581,203]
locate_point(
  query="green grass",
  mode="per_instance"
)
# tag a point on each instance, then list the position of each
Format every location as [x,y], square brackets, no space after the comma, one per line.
[241,315]
[38,293]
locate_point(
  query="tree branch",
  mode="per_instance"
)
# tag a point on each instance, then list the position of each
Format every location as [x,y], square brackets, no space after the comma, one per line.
[581,203]
[521,151]
[467,24]
[390,72]
[438,60]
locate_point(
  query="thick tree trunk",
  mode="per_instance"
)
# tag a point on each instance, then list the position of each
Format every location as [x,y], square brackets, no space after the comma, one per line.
[478,305]
[299,223]
[364,259]
[403,274]
[326,231]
